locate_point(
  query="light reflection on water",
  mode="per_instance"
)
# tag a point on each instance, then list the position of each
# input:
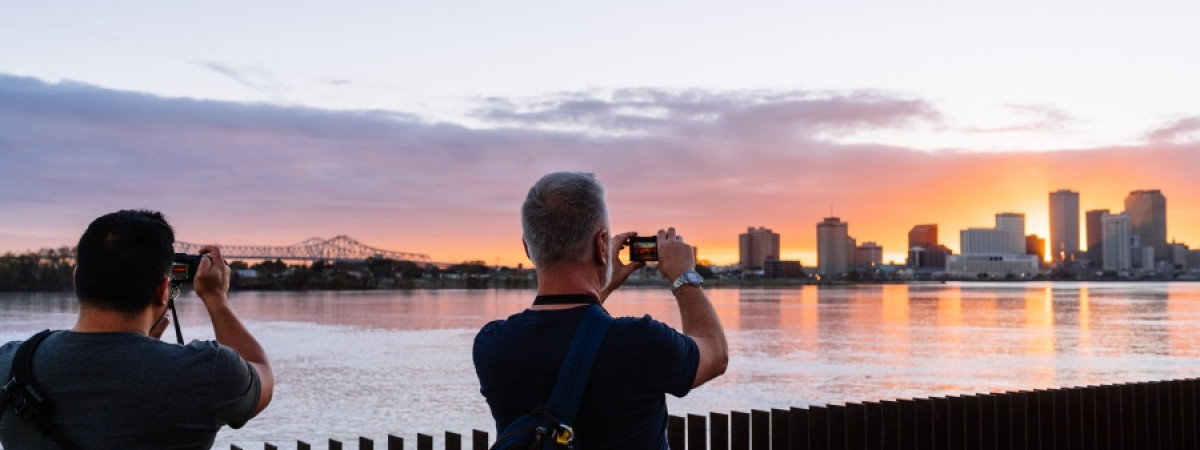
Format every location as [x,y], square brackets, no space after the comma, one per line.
[379,362]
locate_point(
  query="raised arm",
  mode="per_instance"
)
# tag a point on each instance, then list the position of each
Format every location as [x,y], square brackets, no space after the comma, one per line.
[700,320]
[212,285]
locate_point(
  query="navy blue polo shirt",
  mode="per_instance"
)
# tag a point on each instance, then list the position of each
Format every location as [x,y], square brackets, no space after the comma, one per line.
[624,406]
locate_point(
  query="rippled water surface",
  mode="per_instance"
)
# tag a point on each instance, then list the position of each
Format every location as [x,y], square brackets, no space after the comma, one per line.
[372,363]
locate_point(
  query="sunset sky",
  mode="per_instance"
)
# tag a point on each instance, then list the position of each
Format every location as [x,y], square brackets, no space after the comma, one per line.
[418,126]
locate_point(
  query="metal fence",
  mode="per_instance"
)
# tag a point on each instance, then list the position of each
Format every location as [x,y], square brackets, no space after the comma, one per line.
[1145,415]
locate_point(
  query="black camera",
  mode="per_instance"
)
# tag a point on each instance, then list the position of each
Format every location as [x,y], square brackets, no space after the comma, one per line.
[183,270]
[643,248]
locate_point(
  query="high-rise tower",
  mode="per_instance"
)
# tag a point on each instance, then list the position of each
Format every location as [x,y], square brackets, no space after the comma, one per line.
[757,245]
[1148,220]
[1095,237]
[834,247]
[1064,225]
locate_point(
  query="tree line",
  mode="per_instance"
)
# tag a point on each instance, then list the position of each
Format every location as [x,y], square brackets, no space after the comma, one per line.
[51,270]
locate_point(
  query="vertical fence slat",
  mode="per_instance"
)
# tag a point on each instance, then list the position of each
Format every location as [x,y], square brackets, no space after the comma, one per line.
[1062,419]
[856,424]
[1153,418]
[973,421]
[924,423]
[1190,423]
[739,434]
[424,442]
[941,423]
[718,431]
[301,445]
[908,424]
[453,441]
[1047,428]
[1087,409]
[889,424]
[365,444]
[760,427]
[1114,396]
[1008,432]
[479,440]
[956,422]
[798,429]
[837,426]
[989,423]
[675,432]
[872,426]
[780,433]
[1131,420]
[396,442]
[335,445]
[269,446]
[1178,436]
[697,432]
[818,428]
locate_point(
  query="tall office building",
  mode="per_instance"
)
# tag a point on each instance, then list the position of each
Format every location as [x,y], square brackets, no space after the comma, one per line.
[1117,232]
[868,254]
[1148,221]
[924,251]
[834,247]
[1064,225]
[757,245]
[1014,223]
[1095,237]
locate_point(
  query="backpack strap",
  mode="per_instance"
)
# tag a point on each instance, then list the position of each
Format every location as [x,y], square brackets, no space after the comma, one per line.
[577,365]
[31,402]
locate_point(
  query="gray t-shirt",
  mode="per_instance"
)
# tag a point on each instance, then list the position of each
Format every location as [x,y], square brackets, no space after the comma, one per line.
[130,391]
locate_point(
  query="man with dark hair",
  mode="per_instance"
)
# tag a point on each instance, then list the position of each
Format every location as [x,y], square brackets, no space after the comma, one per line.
[566,235]
[113,384]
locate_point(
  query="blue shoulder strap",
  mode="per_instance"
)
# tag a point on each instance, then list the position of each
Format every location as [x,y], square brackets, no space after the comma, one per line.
[577,365]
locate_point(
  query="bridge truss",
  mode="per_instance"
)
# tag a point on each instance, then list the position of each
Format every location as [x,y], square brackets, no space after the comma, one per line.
[341,249]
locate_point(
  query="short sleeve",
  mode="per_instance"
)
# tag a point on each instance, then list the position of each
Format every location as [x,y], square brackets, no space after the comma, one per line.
[671,358]
[237,387]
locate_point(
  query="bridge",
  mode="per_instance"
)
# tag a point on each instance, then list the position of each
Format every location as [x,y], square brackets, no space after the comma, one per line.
[339,249]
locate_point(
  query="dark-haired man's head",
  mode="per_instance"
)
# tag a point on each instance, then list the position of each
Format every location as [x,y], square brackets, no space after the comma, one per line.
[122,259]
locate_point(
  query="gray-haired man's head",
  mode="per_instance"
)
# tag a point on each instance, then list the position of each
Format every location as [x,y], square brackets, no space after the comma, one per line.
[561,216]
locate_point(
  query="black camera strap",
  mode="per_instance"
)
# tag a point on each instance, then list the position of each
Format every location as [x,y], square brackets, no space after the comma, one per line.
[30,401]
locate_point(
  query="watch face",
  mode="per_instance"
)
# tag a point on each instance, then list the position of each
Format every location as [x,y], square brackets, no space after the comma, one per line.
[693,277]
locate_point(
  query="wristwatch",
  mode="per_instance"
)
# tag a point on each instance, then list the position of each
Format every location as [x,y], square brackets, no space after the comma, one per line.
[689,277]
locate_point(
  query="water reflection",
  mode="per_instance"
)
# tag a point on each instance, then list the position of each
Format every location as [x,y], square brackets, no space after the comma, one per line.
[378,361]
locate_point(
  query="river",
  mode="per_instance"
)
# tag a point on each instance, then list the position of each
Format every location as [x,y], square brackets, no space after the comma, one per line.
[372,363]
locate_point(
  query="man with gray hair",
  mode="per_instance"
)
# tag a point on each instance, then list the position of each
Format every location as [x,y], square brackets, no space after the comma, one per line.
[567,236]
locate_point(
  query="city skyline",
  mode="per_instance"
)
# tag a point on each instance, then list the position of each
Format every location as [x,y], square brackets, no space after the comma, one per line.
[419,128]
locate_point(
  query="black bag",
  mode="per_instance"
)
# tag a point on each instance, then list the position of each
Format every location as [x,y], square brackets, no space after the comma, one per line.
[29,400]
[549,427]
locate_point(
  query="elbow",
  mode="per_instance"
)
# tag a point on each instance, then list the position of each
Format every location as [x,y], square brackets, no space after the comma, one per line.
[721,364]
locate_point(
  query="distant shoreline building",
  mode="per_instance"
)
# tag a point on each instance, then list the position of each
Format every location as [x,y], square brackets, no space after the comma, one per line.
[1095,237]
[1064,225]
[1118,254]
[835,247]
[756,246]
[1148,223]
[924,251]
[994,252]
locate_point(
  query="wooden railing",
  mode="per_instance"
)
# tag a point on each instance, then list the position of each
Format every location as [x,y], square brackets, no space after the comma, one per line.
[1134,416]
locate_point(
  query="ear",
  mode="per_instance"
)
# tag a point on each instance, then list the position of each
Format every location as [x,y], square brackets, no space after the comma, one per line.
[162,293]
[601,247]
[526,247]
